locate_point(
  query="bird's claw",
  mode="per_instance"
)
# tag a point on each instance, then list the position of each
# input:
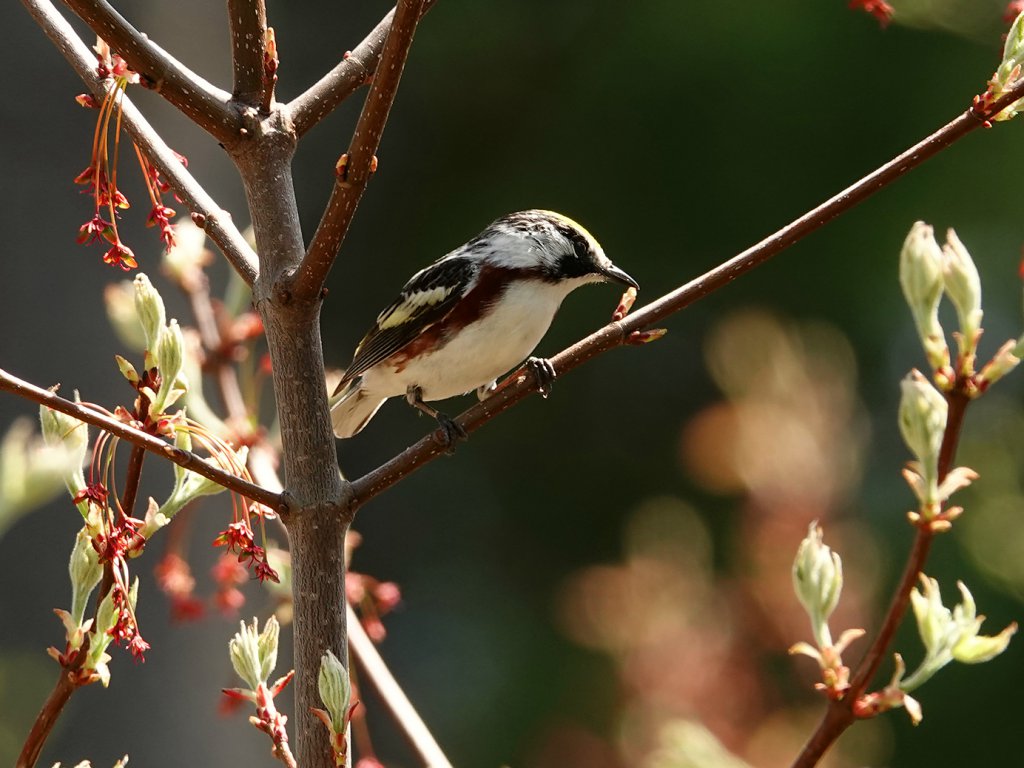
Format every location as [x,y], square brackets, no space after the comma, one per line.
[543,373]
[450,434]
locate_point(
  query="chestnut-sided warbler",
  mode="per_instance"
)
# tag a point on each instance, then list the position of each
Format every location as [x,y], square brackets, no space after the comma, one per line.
[471,316]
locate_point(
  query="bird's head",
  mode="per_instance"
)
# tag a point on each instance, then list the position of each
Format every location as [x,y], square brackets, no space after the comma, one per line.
[549,245]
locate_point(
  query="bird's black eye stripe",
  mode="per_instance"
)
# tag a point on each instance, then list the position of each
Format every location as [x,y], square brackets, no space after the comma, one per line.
[579,261]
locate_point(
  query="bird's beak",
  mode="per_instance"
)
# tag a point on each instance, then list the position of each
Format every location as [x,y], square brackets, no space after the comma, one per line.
[617,275]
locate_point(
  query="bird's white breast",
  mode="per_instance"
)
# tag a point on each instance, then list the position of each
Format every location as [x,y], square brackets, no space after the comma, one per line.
[480,352]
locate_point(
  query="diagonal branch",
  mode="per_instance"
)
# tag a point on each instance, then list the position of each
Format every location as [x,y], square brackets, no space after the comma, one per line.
[248,20]
[206,105]
[355,70]
[355,168]
[394,697]
[216,221]
[179,456]
[519,385]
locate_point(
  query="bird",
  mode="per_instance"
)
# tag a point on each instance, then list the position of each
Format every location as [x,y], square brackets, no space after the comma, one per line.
[471,316]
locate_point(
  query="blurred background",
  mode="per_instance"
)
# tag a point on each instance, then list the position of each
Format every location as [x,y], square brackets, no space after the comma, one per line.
[600,579]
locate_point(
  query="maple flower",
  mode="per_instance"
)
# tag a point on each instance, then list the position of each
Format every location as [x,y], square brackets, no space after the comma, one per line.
[94,230]
[880,9]
[120,255]
[238,538]
[94,492]
[100,177]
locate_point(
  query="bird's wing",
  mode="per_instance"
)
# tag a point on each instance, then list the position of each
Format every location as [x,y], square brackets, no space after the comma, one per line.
[426,299]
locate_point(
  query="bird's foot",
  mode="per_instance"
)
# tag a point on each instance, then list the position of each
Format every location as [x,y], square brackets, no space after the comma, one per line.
[451,432]
[543,373]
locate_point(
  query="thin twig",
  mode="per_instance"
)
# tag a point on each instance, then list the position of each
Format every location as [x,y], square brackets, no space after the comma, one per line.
[394,697]
[520,384]
[248,21]
[355,70]
[839,715]
[216,221]
[132,480]
[179,456]
[355,169]
[198,292]
[44,722]
[206,105]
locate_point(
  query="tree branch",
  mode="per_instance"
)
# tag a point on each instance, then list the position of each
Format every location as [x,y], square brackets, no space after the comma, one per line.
[839,714]
[206,105]
[248,20]
[198,293]
[179,456]
[520,384]
[355,168]
[355,70]
[65,686]
[394,697]
[216,221]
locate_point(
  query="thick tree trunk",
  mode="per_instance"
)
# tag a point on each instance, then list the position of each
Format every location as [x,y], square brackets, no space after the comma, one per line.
[313,487]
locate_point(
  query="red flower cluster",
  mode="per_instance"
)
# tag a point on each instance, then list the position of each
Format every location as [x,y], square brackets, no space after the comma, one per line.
[373,599]
[100,178]
[229,574]
[880,9]
[238,538]
[174,577]
[126,630]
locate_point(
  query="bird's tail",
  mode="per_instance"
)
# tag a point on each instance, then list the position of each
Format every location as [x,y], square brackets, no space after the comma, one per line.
[352,409]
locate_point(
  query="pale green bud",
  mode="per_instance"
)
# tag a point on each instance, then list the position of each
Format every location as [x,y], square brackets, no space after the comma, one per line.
[1005,360]
[267,645]
[1009,71]
[921,263]
[818,582]
[100,638]
[169,358]
[154,520]
[963,286]
[254,654]
[973,648]
[170,351]
[85,571]
[949,636]
[32,472]
[127,370]
[922,419]
[119,299]
[150,309]
[70,434]
[935,622]
[335,690]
